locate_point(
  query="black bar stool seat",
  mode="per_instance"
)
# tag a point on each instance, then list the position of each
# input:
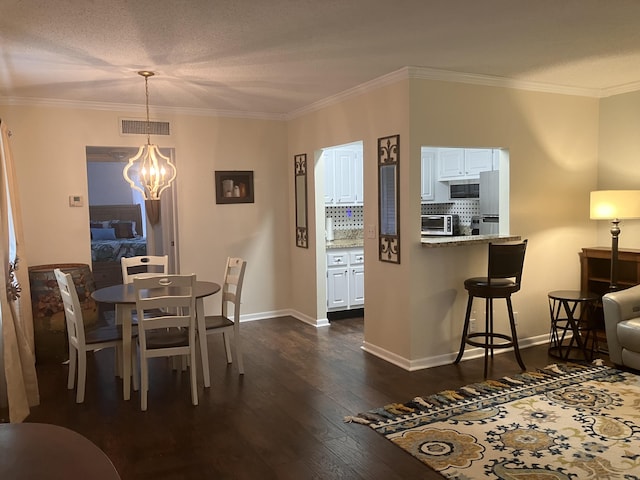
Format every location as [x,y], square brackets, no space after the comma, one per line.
[484,288]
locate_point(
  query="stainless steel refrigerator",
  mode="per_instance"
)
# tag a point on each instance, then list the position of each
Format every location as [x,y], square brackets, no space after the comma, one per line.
[489,203]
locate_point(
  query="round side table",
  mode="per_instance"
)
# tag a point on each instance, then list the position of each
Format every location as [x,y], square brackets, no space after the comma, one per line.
[563,306]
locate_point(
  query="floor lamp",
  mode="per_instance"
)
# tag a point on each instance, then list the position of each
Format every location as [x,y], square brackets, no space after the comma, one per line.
[615,205]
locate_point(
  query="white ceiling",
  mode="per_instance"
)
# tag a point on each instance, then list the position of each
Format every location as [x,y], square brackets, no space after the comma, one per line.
[275,57]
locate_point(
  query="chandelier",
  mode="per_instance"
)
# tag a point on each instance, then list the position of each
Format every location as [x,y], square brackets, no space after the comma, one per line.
[149,171]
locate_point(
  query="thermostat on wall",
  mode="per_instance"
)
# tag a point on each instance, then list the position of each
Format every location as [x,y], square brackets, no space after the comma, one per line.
[75,200]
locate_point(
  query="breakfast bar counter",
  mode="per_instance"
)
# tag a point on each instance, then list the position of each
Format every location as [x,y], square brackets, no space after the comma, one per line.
[457,241]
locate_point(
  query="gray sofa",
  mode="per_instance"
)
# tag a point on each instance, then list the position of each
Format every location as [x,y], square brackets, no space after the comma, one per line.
[622,323]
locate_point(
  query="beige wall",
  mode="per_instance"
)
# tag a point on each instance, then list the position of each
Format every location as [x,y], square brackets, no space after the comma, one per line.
[367,117]
[619,165]
[553,141]
[414,311]
[49,148]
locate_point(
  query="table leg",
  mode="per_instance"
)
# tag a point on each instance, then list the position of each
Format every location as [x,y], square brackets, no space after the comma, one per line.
[202,335]
[574,326]
[123,316]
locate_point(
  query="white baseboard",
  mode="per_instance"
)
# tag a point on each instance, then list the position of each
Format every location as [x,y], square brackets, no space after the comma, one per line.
[446,359]
[321,322]
[406,364]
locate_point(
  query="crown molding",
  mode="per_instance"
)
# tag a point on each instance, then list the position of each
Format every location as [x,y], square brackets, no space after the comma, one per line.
[388,79]
[404,73]
[425,73]
[621,89]
[132,108]
[517,84]
[504,82]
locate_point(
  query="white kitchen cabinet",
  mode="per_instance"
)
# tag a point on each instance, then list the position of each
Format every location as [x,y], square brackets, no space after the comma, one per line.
[356,278]
[450,163]
[359,178]
[463,163]
[356,287]
[329,174]
[337,288]
[345,279]
[431,190]
[477,160]
[428,162]
[343,177]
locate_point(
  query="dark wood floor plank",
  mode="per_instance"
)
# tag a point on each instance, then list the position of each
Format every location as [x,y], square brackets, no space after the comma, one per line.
[282,420]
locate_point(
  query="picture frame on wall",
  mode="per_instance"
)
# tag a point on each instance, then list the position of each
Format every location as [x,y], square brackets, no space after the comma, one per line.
[234,186]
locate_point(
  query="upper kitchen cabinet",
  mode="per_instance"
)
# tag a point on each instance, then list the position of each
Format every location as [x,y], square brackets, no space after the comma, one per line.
[463,163]
[329,184]
[427,191]
[431,191]
[343,176]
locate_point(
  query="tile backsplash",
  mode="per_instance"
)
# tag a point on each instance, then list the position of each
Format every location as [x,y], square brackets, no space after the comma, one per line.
[465,209]
[349,217]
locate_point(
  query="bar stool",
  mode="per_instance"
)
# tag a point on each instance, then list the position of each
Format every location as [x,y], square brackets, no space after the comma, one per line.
[504,275]
[563,305]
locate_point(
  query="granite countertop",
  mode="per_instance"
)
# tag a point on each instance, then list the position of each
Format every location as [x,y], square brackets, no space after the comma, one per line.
[345,243]
[431,242]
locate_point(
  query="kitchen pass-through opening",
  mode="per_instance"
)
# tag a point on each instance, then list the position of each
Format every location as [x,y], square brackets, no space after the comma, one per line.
[471,184]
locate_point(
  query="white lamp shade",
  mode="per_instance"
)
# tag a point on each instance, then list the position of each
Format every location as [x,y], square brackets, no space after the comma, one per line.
[612,204]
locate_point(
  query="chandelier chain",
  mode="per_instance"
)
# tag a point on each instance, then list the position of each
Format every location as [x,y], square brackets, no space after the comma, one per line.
[146,91]
[149,171]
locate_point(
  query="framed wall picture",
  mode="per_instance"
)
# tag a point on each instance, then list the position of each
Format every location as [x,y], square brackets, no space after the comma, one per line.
[234,186]
[389,199]
[300,173]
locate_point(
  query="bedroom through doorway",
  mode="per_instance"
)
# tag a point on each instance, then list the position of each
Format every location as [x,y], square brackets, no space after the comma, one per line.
[118,222]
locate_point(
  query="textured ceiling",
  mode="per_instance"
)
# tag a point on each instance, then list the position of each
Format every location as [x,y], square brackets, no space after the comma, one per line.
[279,56]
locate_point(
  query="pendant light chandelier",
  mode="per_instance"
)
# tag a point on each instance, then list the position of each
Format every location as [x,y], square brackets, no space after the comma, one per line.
[149,171]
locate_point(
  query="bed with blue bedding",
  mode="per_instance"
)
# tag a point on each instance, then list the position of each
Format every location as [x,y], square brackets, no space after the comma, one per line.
[115,233]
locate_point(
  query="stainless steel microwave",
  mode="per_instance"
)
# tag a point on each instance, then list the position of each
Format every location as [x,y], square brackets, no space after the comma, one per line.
[464,190]
[440,225]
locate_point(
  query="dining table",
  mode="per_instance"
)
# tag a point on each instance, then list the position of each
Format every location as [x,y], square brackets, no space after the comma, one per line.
[123,296]
[50,452]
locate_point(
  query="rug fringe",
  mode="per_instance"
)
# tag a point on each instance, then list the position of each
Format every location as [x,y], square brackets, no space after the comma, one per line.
[446,398]
[471,391]
[422,402]
[398,408]
[352,419]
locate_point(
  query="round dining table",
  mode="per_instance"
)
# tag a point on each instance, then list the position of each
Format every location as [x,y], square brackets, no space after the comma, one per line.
[123,296]
[50,452]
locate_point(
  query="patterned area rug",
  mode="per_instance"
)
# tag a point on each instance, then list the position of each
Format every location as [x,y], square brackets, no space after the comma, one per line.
[561,422]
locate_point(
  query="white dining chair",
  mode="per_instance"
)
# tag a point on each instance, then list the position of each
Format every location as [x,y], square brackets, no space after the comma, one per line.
[169,335]
[140,267]
[82,341]
[143,266]
[231,296]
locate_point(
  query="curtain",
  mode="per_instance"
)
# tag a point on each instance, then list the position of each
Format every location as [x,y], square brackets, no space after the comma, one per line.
[20,383]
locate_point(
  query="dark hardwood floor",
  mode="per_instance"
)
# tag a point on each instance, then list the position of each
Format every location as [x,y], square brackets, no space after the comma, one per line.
[282,420]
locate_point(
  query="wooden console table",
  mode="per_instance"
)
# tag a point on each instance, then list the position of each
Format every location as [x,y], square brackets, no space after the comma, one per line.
[595,277]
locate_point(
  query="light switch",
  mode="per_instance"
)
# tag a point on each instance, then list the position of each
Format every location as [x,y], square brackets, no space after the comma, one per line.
[371,231]
[75,200]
